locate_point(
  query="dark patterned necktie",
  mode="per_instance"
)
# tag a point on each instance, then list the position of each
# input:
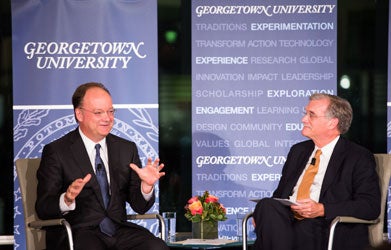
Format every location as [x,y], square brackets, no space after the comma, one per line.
[106,225]
[102,176]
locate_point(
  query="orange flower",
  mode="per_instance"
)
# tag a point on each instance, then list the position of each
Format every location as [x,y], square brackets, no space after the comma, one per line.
[223,208]
[195,207]
[205,207]
[211,198]
[192,199]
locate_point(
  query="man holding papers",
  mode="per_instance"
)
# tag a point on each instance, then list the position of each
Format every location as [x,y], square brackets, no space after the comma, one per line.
[326,176]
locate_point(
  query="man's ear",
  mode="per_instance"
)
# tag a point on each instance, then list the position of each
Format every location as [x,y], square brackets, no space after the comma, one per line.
[333,123]
[78,115]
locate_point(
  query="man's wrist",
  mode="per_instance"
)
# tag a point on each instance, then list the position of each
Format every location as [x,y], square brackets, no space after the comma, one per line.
[67,199]
[65,207]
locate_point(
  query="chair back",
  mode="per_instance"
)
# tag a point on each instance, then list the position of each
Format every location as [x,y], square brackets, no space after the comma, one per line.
[383,167]
[26,170]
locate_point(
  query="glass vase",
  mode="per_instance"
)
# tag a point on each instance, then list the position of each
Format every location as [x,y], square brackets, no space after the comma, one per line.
[205,230]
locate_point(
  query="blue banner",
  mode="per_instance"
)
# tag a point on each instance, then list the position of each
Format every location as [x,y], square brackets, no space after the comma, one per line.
[254,65]
[58,45]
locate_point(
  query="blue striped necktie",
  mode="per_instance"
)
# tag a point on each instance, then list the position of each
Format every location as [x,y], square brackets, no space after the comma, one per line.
[101,175]
[106,225]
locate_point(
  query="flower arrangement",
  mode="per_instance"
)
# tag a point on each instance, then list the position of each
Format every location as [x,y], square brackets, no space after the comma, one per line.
[205,208]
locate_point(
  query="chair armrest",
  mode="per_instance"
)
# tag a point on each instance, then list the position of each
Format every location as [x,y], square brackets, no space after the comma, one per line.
[145,217]
[39,224]
[346,219]
[244,229]
[7,240]
[151,217]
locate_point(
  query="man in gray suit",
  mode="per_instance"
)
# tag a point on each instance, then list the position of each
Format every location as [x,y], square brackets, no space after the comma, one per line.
[344,182]
[88,175]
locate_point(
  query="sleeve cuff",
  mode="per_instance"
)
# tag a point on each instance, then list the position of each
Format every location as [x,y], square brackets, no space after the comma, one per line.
[64,208]
[148,196]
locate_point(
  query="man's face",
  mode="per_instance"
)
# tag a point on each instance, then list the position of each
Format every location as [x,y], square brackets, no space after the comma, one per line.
[316,125]
[96,114]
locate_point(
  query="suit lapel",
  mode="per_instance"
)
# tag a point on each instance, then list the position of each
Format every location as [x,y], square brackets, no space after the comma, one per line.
[335,163]
[83,161]
[80,154]
[301,162]
[113,151]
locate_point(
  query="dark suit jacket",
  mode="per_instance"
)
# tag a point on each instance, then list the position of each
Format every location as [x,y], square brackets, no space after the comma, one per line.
[350,188]
[66,160]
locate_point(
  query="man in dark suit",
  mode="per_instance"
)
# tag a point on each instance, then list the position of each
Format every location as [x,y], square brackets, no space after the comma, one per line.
[345,182]
[70,174]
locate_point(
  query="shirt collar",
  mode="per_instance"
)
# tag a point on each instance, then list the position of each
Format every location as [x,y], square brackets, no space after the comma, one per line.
[89,144]
[328,149]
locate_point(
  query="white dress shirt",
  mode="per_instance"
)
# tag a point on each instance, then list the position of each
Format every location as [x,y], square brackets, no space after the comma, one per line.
[318,180]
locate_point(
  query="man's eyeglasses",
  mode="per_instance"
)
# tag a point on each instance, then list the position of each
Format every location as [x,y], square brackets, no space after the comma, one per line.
[101,113]
[313,116]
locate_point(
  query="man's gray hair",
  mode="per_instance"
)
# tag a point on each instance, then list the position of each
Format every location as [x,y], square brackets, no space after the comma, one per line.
[338,108]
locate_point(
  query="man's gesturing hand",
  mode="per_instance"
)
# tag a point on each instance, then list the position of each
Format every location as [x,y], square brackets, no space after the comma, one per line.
[149,174]
[75,188]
